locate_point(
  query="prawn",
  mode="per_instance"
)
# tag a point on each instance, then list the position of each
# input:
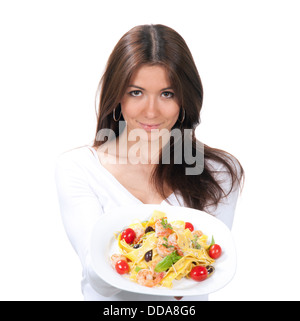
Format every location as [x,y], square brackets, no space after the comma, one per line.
[198,233]
[162,228]
[117,257]
[139,233]
[163,247]
[149,278]
[172,240]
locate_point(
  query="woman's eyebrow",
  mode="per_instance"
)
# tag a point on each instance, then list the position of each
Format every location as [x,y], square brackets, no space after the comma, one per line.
[136,87]
[144,89]
[166,88]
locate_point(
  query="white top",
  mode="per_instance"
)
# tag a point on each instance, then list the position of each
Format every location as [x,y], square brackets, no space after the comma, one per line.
[86,190]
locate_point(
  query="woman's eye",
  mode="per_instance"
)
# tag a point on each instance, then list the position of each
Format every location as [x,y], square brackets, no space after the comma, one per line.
[135,93]
[167,94]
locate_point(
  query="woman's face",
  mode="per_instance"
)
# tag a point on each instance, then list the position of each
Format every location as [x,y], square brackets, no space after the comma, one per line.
[150,101]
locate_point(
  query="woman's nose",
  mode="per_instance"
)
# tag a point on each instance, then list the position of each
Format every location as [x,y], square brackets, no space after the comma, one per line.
[151,107]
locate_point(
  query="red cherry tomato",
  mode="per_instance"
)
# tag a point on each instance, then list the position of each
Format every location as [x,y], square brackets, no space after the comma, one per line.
[122,267]
[128,235]
[190,226]
[215,251]
[198,273]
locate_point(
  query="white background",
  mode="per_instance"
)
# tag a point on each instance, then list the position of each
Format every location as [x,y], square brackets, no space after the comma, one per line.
[53,54]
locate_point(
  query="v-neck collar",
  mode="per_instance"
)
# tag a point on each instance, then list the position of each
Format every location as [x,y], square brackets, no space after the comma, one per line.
[108,173]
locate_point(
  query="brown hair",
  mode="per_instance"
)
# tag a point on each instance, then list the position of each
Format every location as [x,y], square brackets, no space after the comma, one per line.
[161,45]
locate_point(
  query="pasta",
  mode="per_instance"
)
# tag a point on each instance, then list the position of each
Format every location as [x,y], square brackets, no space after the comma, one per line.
[161,251]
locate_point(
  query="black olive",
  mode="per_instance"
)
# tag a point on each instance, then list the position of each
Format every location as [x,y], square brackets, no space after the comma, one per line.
[136,246]
[149,229]
[148,256]
[210,270]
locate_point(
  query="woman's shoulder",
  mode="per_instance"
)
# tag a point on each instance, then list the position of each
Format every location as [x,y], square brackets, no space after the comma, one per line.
[75,157]
[76,153]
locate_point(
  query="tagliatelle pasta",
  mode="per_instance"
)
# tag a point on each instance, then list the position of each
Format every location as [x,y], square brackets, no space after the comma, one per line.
[157,251]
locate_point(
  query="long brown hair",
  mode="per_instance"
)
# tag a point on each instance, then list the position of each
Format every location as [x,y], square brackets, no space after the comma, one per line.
[161,45]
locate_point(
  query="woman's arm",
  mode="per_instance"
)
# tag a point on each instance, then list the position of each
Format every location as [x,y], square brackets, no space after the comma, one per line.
[80,210]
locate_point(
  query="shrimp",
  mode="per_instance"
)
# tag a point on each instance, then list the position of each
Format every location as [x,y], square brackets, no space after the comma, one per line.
[117,257]
[163,247]
[172,240]
[149,278]
[198,233]
[162,228]
[139,232]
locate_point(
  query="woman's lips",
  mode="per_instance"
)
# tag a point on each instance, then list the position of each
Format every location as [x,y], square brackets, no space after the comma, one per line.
[148,127]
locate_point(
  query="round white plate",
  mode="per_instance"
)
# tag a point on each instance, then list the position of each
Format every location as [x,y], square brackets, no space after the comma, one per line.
[103,245]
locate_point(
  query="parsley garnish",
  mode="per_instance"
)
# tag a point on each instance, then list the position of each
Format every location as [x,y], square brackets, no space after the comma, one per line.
[195,243]
[166,244]
[165,224]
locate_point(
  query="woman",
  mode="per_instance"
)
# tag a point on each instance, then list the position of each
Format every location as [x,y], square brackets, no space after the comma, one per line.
[150,101]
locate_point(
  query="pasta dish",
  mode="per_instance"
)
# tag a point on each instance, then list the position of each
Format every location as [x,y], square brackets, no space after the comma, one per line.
[157,252]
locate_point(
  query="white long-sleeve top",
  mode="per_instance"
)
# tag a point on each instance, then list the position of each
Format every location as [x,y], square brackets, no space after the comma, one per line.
[86,190]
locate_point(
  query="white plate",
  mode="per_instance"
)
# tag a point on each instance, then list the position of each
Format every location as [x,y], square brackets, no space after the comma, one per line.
[104,244]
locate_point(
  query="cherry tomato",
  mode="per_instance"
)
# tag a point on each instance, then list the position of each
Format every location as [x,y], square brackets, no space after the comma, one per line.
[215,251]
[190,226]
[128,235]
[122,267]
[198,273]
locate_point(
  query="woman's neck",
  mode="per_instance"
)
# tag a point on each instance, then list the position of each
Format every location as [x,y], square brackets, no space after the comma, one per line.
[138,149]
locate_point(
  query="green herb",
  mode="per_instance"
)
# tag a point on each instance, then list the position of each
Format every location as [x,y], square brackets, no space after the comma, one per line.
[195,243]
[137,269]
[166,244]
[167,262]
[212,242]
[165,224]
